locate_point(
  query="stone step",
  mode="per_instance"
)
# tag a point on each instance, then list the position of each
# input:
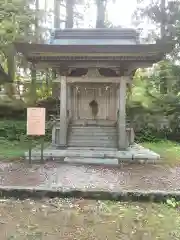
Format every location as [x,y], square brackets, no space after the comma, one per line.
[88,131]
[92,134]
[105,161]
[91,127]
[93,141]
[101,131]
[95,137]
[96,149]
[93,122]
[90,144]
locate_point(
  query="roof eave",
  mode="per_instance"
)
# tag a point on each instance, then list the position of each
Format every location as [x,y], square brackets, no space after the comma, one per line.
[30,50]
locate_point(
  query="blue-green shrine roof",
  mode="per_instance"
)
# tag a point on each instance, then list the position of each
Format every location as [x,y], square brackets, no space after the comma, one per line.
[94,45]
[94,36]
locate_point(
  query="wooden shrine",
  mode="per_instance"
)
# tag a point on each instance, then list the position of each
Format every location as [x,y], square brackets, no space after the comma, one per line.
[93,69]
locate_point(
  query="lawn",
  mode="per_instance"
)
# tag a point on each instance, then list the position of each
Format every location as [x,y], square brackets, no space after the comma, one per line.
[71,219]
[14,149]
[169,151]
[9,150]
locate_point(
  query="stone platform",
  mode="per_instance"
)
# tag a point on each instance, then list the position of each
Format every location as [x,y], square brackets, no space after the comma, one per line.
[106,156]
[53,179]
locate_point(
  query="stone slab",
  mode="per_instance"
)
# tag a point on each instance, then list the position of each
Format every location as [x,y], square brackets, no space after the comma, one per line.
[134,153]
[92,148]
[98,161]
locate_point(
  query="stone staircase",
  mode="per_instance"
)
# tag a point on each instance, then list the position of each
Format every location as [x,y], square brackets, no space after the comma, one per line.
[92,135]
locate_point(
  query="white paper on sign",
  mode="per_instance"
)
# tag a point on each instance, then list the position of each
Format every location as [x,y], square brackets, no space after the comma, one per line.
[36,118]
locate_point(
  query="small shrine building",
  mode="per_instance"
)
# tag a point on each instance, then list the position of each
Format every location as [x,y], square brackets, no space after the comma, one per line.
[93,70]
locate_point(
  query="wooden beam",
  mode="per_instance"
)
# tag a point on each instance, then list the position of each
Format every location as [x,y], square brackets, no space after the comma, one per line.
[80,64]
[93,80]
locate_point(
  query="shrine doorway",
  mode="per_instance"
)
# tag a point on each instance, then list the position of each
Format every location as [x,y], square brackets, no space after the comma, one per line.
[94,101]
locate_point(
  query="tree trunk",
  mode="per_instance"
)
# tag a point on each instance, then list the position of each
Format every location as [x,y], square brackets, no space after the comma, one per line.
[46,10]
[163,14]
[56,14]
[69,13]
[101,9]
[11,62]
[163,82]
[32,95]
[37,35]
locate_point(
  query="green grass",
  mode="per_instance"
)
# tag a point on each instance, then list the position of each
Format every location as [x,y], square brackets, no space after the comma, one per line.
[169,151]
[14,149]
[9,150]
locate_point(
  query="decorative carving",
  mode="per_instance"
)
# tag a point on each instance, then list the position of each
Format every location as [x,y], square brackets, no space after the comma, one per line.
[78,72]
[108,72]
[92,73]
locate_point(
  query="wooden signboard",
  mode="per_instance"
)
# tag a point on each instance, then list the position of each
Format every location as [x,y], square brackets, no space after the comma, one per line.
[36,118]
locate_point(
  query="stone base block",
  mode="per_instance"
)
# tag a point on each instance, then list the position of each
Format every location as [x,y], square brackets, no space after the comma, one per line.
[98,161]
[113,156]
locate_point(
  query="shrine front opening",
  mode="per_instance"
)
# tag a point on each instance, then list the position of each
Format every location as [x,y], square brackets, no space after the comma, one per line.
[94,101]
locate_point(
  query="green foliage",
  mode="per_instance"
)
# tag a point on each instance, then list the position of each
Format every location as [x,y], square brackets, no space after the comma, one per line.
[154,113]
[19,21]
[173,203]
[12,130]
[16,109]
[16,131]
[146,135]
[165,19]
[16,19]
[12,109]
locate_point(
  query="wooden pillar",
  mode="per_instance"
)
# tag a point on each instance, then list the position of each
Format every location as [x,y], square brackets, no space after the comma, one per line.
[69,100]
[122,115]
[63,112]
[117,100]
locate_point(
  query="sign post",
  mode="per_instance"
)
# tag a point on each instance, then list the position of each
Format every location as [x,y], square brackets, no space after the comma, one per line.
[36,120]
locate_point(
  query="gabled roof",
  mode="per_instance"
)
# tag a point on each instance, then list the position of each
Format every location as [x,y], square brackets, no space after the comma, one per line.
[47,51]
[95,33]
[94,45]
